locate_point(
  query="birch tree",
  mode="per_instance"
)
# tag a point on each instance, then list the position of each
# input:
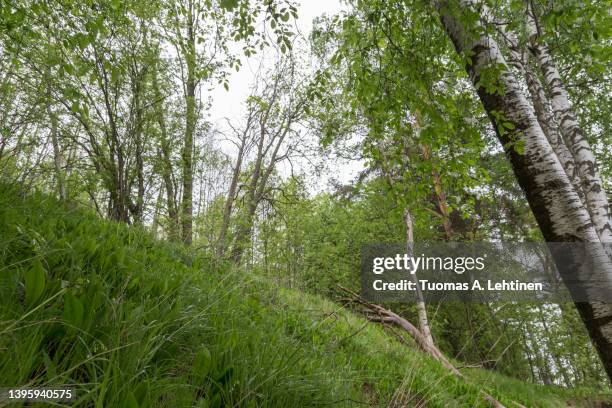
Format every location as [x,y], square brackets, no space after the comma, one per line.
[555,203]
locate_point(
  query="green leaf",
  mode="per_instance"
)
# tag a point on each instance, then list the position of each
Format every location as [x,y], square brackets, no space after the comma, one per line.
[519,146]
[215,401]
[73,310]
[50,368]
[229,4]
[34,283]
[226,376]
[201,364]
[130,401]
[140,392]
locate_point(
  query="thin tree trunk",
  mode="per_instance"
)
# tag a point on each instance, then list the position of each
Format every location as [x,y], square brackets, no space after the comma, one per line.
[528,352]
[552,350]
[117,180]
[245,228]
[165,157]
[138,208]
[420,303]
[155,222]
[440,196]
[229,201]
[243,236]
[190,123]
[57,151]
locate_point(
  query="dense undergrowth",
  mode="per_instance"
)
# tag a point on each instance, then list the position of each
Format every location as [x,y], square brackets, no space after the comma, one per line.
[129,321]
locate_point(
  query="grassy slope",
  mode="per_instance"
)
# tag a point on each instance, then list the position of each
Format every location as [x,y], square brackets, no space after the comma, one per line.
[132,322]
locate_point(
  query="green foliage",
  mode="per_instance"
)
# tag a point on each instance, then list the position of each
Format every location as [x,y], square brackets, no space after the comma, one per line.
[34,283]
[139,323]
[128,321]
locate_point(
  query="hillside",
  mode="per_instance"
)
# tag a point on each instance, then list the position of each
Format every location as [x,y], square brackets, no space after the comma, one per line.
[130,321]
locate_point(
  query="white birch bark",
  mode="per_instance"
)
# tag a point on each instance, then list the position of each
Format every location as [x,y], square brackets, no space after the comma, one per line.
[542,109]
[574,136]
[420,303]
[540,102]
[554,202]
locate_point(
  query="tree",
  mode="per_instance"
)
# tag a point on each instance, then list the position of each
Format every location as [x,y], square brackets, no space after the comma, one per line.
[278,108]
[201,32]
[555,203]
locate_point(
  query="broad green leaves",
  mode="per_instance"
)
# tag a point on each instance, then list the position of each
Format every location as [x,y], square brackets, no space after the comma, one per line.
[392,73]
[73,311]
[202,364]
[35,279]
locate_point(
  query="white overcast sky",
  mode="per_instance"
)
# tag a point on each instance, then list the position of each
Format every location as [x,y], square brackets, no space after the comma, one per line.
[230,104]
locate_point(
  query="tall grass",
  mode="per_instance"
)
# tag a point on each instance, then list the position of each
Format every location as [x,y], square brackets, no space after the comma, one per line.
[129,321]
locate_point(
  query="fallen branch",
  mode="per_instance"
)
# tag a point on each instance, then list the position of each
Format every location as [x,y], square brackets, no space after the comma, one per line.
[385,316]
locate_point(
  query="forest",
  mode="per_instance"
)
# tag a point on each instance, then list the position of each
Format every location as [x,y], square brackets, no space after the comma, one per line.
[188,189]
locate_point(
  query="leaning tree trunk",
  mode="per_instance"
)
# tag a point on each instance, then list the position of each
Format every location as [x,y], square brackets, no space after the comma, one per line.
[588,171]
[541,107]
[229,201]
[553,200]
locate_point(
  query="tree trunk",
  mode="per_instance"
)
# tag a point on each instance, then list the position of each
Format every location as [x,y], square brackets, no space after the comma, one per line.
[243,236]
[541,104]
[165,157]
[229,201]
[155,222]
[57,151]
[588,171]
[552,348]
[246,225]
[190,124]
[137,209]
[551,196]
[440,196]
[420,303]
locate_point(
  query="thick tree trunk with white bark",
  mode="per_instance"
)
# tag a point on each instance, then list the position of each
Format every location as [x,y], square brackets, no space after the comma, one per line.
[574,136]
[543,113]
[560,213]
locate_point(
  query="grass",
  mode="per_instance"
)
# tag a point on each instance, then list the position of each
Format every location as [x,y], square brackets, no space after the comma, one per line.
[129,321]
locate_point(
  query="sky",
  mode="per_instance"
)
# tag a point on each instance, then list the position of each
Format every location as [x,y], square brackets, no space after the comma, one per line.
[230,104]
[227,103]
